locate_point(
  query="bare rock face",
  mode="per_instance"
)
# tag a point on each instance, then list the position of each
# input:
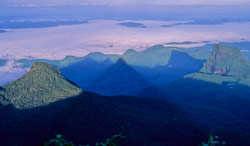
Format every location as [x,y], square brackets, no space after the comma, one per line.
[226,60]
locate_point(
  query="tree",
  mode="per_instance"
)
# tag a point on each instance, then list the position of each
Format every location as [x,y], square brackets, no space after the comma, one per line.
[60,141]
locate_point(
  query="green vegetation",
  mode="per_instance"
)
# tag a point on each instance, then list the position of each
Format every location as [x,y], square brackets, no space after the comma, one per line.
[157,55]
[198,53]
[60,141]
[219,79]
[58,63]
[226,60]
[44,84]
[68,60]
[225,66]
[213,141]
[151,57]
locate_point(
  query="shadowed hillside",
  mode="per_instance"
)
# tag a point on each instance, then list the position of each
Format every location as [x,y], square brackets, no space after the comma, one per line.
[179,65]
[86,118]
[95,74]
[185,62]
[86,72]
[216,99]
[119,79]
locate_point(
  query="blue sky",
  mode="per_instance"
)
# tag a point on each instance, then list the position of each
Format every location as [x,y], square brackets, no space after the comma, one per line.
[121,2]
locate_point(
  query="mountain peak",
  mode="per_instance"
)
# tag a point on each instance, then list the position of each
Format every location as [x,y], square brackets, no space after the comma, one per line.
[40,66]
[42,85]
[121,61]
[226,49]
[226,60]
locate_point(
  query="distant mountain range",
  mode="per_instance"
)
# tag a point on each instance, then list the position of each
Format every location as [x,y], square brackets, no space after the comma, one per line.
[156,65]
[182,111]
[133,72]
[157,55]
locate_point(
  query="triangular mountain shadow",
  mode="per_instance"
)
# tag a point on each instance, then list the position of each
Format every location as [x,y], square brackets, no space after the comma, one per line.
[86,118]
[86,72]
[119,79]
[42,85]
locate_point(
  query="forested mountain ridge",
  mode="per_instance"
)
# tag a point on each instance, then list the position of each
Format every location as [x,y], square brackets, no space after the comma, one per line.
[44,84]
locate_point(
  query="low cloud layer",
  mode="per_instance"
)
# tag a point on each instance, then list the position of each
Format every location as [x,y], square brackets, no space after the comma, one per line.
[108,37]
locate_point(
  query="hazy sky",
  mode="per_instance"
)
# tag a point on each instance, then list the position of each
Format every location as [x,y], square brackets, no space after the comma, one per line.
[121,2]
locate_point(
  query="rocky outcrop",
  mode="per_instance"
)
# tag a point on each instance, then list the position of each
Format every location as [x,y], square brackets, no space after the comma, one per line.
[226,60]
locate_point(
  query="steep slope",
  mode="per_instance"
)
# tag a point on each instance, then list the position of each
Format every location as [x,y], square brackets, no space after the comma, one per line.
[223,106]
[90,118]
[226,60]
[219,96]
[86,118]
[42,85]
[119,79]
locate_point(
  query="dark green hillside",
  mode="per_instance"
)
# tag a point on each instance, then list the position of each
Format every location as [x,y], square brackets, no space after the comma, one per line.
[42,85]
[32,113]
[226,60]
[217,105]
[217,98]
[89,118]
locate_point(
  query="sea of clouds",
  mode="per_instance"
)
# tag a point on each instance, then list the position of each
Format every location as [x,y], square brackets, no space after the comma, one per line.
[107,37]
